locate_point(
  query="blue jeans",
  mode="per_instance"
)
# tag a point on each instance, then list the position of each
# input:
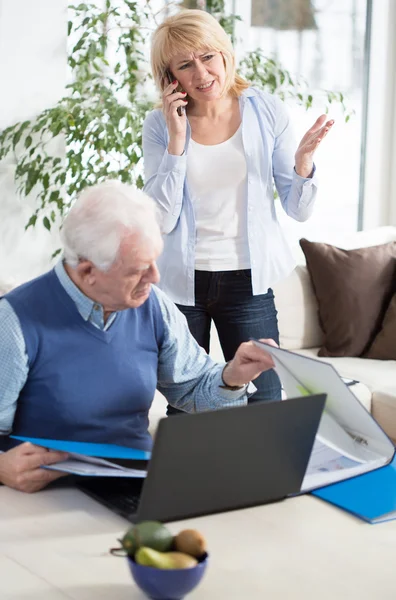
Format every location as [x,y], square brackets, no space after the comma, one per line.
[226,298]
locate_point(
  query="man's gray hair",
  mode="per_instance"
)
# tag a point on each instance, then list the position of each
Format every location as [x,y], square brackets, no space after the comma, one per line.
[101,217]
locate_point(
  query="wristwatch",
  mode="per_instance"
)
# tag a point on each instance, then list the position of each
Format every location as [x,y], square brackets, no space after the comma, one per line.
[232,388]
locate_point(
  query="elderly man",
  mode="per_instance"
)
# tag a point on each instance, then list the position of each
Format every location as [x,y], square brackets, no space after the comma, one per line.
[84,346]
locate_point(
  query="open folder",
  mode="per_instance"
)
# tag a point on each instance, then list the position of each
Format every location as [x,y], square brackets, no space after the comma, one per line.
[349,441]
[371,496]
[96,460]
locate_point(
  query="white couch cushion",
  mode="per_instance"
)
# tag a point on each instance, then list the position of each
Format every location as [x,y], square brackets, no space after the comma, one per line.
[297,311]
[157,411]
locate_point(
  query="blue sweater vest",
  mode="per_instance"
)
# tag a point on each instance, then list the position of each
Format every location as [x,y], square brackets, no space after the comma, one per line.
[85,384]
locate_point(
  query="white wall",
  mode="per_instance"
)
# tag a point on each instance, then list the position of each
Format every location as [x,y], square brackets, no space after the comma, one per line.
[391,217]
[33,57]
[380,177]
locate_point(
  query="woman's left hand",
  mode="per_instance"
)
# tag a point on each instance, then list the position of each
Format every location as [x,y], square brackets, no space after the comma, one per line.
[308,145]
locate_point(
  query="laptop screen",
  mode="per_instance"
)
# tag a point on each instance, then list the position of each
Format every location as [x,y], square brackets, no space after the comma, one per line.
[229,459]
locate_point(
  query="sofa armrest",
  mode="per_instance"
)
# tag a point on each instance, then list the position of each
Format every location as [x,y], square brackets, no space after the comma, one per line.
[297,311]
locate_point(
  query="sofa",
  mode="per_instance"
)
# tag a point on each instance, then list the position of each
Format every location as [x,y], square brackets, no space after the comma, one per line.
[300,331]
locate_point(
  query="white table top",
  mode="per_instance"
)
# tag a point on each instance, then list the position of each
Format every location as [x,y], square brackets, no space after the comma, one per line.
[54,546]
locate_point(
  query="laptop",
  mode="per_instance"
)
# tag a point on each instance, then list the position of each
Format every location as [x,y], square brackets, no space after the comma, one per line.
[218,461]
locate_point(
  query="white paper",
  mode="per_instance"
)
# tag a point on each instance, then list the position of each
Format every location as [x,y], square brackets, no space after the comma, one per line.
[81,464]
[334,436]
[94,469]
[326,465]
[323,458]
[94,460]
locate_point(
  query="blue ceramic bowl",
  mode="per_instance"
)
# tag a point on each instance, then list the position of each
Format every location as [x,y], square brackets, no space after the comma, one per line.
[167,584]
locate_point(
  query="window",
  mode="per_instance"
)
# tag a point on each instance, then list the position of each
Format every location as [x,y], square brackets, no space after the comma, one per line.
[324,42]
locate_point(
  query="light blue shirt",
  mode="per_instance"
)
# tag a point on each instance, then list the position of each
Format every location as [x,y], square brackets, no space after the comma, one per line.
[187,376]
[269,147]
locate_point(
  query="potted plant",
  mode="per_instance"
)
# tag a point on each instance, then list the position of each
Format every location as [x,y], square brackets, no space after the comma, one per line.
[101,116]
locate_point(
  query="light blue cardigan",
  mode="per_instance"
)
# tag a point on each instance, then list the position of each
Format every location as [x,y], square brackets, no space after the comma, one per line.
[269,150]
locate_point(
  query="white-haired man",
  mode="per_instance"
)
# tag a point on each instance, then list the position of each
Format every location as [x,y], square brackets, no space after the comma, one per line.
[84,346]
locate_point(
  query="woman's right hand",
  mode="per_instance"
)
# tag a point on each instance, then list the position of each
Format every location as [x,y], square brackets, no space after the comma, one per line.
[176,124]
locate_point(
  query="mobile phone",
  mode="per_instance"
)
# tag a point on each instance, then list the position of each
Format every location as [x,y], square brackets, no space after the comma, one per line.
[170,78]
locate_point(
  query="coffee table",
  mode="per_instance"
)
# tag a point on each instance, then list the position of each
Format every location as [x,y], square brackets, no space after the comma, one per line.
[54,546]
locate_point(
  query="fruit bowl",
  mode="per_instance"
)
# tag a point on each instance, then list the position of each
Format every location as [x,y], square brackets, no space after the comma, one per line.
[167,584]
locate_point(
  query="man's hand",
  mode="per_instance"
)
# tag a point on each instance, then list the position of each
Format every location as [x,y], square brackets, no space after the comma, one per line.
[248,363]
[20,467]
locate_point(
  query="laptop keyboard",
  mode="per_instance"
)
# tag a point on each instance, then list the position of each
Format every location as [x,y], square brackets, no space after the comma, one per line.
[120,495]
[126,504]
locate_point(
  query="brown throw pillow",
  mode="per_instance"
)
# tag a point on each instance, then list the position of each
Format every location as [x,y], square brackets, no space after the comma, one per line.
[384,345]
[353,288]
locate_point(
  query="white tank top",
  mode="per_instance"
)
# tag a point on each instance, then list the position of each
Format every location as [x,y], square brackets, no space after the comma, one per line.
[216,176]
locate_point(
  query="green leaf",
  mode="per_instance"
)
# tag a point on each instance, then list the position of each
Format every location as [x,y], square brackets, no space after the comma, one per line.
[16,137]
[46,179]
[32,178]
[55,254]
[54,196]
[31,222]
[47,223]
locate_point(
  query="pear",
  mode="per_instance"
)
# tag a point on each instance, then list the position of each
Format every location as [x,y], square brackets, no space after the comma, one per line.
[190,541]
[164,560]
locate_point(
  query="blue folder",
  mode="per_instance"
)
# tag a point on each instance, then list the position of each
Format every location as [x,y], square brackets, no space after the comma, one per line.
[371,496]
[97,450]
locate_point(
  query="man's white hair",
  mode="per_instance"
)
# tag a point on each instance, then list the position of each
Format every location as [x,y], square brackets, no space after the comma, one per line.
[101,217]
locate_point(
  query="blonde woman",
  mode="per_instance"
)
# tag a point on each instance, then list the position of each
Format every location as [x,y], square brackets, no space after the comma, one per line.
[211,155]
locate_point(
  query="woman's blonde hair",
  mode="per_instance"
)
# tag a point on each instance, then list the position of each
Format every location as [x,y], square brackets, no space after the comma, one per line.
[189,31]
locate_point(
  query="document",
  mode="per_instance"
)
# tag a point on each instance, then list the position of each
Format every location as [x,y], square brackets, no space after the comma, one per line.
[333,435]
[327,465]
[100,460]
[77,464]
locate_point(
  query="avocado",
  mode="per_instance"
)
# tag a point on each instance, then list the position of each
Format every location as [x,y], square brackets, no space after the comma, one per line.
[147,533]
